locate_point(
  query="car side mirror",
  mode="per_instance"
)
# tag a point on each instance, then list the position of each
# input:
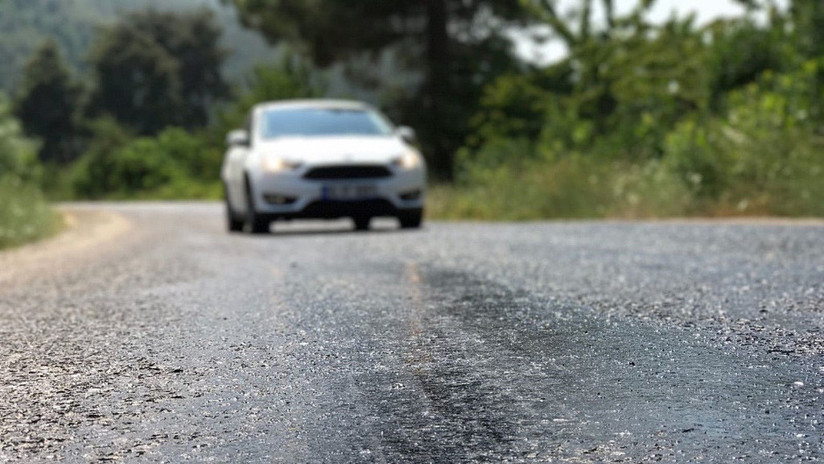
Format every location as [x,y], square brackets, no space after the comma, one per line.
[237,138]
[408,134]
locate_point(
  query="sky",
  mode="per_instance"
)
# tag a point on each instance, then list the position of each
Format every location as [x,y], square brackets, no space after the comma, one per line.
[706,11]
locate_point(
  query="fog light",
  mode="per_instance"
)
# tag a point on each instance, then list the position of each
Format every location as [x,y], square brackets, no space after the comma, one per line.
[275,199]
[411,196]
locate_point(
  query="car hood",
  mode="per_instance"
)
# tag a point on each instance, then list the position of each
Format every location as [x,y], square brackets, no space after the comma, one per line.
[326,150]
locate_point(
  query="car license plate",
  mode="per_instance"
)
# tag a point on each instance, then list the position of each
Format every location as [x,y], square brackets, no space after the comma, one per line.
[349,192]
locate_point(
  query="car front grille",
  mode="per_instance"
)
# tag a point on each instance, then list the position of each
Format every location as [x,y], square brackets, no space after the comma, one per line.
[352,171]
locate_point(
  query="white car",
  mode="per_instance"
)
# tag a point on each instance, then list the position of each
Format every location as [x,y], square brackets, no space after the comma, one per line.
[323,159]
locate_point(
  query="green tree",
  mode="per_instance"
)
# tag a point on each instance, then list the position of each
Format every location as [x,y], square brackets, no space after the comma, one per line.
[24,214]
[174,164]
[289,79]
[456,45]
[808,17]
[592,46]
[192,40]
[93,173]
[805,18]
[18,155]
[49,103]
[137,81]
[741,51]
[624,83]
[156,69]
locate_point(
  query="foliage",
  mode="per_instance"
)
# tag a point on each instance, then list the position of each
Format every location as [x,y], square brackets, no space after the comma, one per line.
[808,23]
[176,163]
[25,24]
[18,155]
[544,186]
[24,215]
[48,104]
[615,98]
[154,70]
[639,119]
[741,51]
[457,46]
[191,40]
[766,156]
[92,174]
[290,78]
[650,120]
[136,81]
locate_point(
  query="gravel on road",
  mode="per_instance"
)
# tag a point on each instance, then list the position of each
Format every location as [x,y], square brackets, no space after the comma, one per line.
[163,338]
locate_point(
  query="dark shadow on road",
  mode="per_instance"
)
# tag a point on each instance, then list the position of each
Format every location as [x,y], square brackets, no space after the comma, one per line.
[315,231]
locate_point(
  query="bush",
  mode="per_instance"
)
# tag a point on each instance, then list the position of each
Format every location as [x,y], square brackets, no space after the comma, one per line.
[693,153]
[567,187]
[93,174]
[24,214]
[645,130]
[176,164]
[764,157]
[18,155]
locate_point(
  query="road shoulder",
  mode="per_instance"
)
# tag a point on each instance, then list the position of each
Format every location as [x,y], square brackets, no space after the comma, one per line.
[84,231]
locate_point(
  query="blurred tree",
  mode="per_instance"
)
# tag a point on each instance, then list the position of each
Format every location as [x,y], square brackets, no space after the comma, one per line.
[580,27]
[592,45]
[806,21]
[48,104]
[175,163]
[808,17]
[74,24]
[18,155]
[458,46]
[93,174]
[136,80]
[741,51]
[623,84]
[158,69]
[290,78]
[192,40]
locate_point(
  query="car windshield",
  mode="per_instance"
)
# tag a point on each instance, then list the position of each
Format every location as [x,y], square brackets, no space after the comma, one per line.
[323,122]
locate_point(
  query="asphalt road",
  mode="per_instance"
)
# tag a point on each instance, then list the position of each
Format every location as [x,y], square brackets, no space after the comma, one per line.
[170,340]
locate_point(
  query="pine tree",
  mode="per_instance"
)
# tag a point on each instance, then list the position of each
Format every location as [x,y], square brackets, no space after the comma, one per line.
[48,104]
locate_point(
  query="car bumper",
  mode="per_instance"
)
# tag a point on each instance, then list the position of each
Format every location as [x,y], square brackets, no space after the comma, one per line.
[289,195]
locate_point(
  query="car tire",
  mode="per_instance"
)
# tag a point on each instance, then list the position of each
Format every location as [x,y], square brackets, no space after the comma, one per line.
[362,222]
[233,223]
[411,219]
[254,223]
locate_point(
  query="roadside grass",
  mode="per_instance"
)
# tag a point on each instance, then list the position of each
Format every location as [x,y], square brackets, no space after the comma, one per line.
[25,216]
[584,189]
[179,190]
[565,189]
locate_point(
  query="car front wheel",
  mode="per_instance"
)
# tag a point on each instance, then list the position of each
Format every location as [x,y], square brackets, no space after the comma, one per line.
[233,223]
[255,223]
[411,219]
[362,222]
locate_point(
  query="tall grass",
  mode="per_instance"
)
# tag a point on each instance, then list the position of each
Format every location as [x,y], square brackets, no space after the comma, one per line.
[775,175]
[24,214]
[564,189]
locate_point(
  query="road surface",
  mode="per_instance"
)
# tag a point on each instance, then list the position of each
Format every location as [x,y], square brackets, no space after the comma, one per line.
[150,334]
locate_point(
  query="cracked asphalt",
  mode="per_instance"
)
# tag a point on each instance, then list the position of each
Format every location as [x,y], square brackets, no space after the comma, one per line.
[173,341]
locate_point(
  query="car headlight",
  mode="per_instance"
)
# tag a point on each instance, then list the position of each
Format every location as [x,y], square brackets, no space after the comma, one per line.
[276,164]
[409,160]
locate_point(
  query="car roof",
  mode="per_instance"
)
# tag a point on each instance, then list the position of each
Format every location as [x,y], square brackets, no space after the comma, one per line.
[314,103]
